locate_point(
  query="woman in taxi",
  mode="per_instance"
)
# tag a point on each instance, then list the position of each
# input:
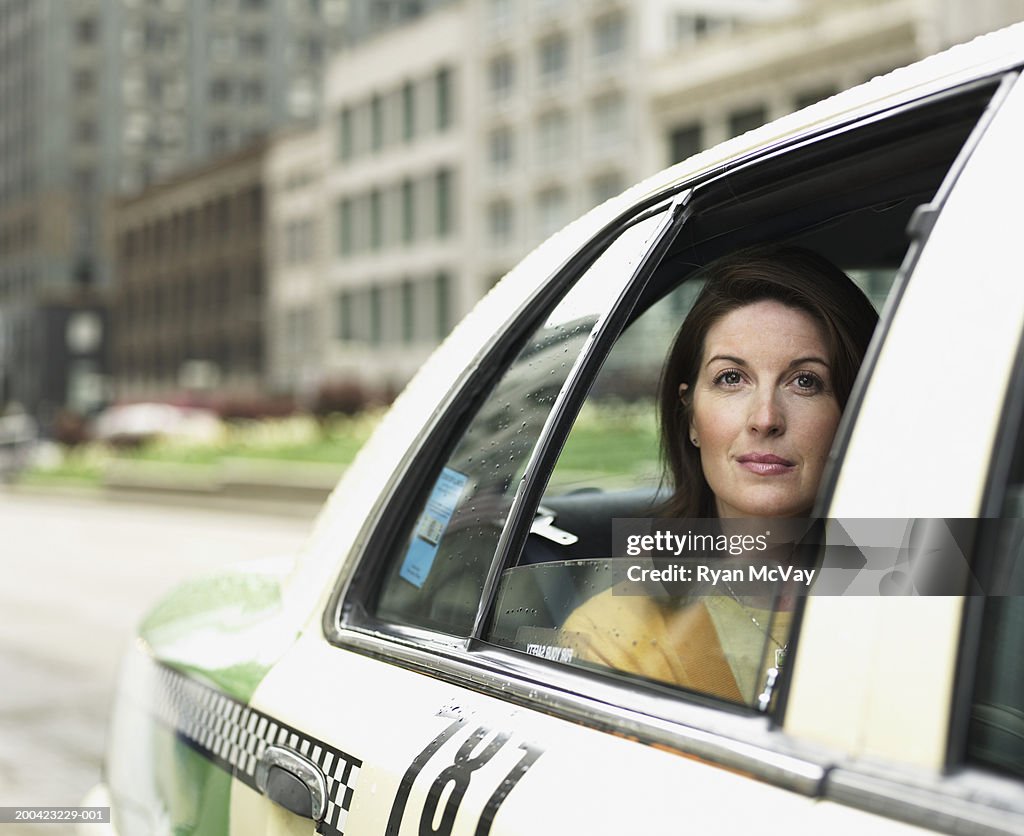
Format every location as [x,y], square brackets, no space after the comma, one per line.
[751,395]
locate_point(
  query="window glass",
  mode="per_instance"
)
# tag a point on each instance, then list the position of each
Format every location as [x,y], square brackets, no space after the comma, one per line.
[436,578]
[553,60]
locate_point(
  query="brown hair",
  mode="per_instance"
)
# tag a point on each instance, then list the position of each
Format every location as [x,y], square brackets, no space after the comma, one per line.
[795,277]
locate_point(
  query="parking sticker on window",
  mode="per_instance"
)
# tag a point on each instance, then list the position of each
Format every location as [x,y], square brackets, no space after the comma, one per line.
[431,526]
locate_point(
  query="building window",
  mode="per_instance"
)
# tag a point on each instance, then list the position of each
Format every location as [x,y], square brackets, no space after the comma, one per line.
[376,316]
[407,294]
[741,121]
[376,123]
[345,227]
[220,90]
[443,304]
[408,211]
[408,111]
[501,149]
[552,138]
[345,316]
[553,60]
[85,81]
[253,44]
[443,195]
[345,134]
[251,91]
[376,220]
[443,83]
[86,131]
[500,223]
[298,245]
[809,97]
[86,30]
[501,77]
[685,141]
[609,38]
[690,28]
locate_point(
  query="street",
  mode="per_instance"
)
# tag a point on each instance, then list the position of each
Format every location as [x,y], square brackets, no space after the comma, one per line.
[77,576]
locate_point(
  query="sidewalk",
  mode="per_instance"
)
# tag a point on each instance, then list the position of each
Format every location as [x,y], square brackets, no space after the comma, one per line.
[294,489]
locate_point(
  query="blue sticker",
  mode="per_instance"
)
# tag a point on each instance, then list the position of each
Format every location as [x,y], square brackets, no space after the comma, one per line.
[431,526]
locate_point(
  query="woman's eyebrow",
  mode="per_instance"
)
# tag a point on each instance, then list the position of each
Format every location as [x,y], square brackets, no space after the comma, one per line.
[801,360]
[737,360]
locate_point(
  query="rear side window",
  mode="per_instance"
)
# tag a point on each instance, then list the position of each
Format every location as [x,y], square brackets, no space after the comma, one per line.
[436,576]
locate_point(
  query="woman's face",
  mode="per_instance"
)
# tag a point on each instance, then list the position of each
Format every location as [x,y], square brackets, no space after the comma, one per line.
[764,411]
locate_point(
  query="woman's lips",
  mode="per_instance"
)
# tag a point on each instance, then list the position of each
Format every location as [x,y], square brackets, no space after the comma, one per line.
[765,464]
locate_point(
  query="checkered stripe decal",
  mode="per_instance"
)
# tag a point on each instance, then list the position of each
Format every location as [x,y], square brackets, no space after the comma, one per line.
[233,735]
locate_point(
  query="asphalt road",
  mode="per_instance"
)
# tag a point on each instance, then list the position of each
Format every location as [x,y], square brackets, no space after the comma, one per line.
[77,576]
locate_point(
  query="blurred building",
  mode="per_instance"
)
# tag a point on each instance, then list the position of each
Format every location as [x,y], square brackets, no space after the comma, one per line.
[188,304]
[398,133]
[297,239]
[454,142]
[366,19]
[105,96]
[732,82]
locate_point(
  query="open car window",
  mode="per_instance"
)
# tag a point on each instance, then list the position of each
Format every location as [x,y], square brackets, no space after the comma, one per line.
[562,597]
[435,575]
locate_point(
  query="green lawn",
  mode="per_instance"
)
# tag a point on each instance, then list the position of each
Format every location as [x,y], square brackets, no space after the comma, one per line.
[610,445]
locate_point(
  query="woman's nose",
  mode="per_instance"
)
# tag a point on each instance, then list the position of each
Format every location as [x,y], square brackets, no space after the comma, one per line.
[767,416]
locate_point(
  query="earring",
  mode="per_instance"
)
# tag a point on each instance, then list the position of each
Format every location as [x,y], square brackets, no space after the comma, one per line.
[693,441]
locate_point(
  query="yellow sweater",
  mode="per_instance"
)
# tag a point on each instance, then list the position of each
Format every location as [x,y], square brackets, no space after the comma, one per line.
[710,644]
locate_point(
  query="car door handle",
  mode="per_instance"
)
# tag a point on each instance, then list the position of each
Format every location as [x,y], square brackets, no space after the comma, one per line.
[294,782]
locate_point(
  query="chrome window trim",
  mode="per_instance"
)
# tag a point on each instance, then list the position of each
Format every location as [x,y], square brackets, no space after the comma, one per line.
[970,801]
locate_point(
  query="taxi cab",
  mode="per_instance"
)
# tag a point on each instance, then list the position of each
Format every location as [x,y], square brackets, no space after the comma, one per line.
[403,675]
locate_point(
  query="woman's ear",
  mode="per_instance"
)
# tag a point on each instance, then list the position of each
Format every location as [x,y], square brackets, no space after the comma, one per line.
[683,387]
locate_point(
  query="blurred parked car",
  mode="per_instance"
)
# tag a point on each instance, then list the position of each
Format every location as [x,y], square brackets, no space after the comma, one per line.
[19,434]
[138,422]
[405,675]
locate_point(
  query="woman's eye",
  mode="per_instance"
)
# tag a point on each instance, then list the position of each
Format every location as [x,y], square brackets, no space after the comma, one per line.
[729,378]
[807,382]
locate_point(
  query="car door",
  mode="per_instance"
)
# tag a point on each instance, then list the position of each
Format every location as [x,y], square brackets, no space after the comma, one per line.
[423,727]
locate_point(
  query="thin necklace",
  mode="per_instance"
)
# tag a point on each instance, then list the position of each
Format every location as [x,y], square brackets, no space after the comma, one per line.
[780,650]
